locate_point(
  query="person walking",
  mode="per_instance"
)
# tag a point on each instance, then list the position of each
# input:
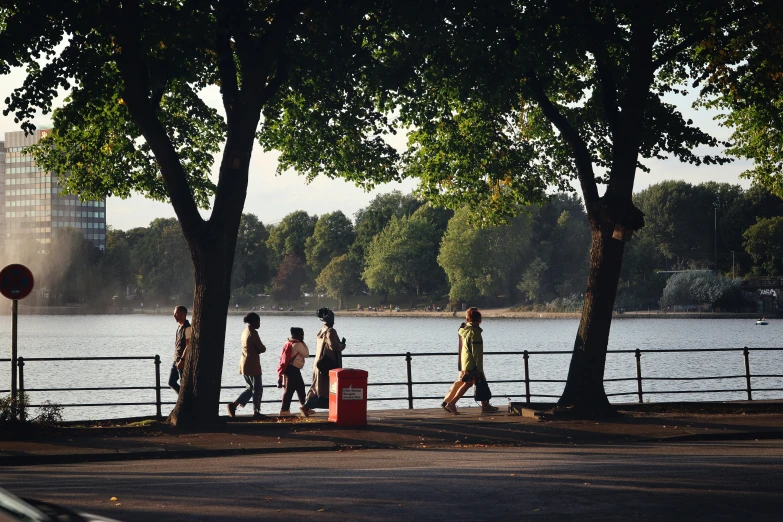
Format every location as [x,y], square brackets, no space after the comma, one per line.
[471,363]
[181,343]
[250,367]
[328,356]
[292,360]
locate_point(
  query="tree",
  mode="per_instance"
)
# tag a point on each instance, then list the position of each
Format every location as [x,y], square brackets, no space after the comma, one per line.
[290,236]
[287,283]
[561,241]
[339,278]
[402,258]
[744,74]
[764,242]
[116,262]
[699,287]
[251,257]
[681,219]
[510,97]
[162,262]
[332,237]
[133,120]
[484,262]
[372,219]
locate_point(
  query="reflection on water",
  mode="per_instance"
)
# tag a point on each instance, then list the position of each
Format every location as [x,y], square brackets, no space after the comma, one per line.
[93,336]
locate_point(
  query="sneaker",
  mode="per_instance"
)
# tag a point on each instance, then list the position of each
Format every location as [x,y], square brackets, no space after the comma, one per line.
[285,412]
[489,409]
[306,412]
[232,409]
[451,408]
[258,415]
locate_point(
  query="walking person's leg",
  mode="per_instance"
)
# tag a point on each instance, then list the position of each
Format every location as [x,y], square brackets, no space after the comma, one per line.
[174,377]
[297,383]
[258,393]
[458,389]
[288,393]
[455,393]
[245,396]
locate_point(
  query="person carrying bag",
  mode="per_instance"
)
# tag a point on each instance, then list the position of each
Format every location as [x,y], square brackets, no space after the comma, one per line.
[471,366]
[328,357]
[292,360]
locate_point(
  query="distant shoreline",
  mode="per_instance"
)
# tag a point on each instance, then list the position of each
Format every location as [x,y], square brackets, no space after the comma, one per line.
[500,313]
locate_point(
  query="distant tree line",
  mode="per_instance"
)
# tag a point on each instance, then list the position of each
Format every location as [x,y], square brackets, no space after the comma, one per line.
[402,247]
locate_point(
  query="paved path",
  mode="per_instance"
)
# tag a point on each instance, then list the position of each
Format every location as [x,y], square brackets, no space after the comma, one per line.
[644,481]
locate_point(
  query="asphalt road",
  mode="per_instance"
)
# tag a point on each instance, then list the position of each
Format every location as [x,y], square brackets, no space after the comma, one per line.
[701,481]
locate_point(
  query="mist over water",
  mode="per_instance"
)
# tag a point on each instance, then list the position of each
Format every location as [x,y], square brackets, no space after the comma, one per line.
[148,335]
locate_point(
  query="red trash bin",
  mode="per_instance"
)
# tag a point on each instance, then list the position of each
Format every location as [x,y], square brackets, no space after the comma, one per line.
[348,397]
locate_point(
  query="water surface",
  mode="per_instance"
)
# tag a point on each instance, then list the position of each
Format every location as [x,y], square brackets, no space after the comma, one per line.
[148,335]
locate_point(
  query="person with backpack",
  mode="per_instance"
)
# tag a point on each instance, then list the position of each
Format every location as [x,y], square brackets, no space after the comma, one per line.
[289,374]
[470,364]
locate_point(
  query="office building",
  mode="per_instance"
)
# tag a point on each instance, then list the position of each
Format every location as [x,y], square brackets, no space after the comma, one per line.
[32,206]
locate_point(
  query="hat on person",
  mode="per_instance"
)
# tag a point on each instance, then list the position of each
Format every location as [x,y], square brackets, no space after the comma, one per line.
[325,315]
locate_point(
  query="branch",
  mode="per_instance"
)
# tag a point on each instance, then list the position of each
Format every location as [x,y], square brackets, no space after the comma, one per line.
[584,165]
[270,46]
[136,95]
[625,146]
[597,35]
[281,75]
[696,37]
[608,92]
[226,67]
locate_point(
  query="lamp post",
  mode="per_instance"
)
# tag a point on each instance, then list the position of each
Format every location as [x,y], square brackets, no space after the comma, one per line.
[715,237]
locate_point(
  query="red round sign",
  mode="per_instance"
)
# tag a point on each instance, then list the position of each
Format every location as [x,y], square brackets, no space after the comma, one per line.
[16,281]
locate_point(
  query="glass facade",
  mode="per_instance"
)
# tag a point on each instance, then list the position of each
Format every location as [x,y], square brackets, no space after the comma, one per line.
[32,206]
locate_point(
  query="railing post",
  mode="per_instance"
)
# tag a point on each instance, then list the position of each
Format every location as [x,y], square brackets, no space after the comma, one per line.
[14,394]
[157,385]
[525,357]
[745,353]
[410,380]
[639,376]
[22,402]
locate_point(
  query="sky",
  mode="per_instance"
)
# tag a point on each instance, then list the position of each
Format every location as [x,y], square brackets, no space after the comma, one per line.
[271,196]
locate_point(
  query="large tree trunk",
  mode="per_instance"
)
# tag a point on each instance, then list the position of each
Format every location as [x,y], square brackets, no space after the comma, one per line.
[584,393]
[212,244]
[199,397]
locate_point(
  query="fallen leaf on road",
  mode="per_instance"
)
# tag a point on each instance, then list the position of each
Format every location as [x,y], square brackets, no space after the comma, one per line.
[113,498]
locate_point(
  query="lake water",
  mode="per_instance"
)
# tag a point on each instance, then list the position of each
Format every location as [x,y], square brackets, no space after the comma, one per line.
[138,335]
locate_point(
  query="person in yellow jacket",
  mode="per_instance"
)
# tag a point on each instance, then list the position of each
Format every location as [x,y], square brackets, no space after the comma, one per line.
[471,363]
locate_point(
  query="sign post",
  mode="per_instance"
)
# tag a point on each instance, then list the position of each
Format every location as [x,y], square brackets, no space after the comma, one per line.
[16,282]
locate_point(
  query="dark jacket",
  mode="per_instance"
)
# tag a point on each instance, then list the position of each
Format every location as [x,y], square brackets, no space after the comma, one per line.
[180,342]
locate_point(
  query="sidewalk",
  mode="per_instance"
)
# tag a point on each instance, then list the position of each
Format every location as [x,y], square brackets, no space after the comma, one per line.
[421,429]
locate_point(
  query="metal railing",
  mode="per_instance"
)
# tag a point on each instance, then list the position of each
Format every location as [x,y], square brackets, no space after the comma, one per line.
[409,383]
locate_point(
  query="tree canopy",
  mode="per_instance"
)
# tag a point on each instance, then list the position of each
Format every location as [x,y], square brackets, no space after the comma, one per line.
[764,242]
[402,258]
[332,237]
[290,235]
